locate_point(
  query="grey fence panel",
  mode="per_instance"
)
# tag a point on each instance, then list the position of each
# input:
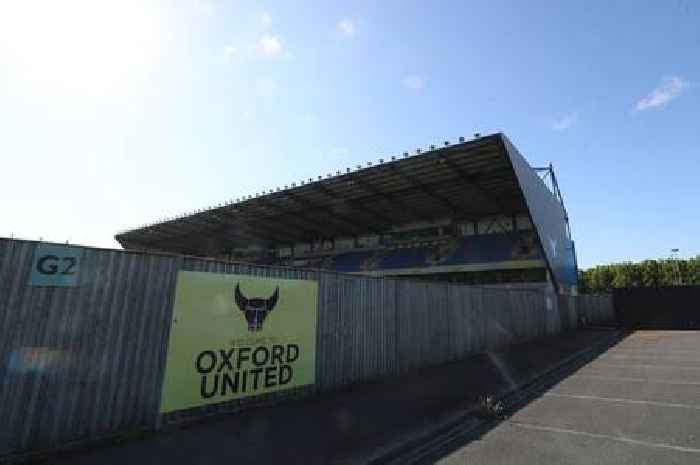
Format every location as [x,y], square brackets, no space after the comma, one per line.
[563,310]
[436,317]
[390,316]
[529,316]
[553,319]
[370,305]
[412,324]
[498,329]
[492,319]
[525,316]
[573,312]
[461,314]
[87,361]
[408,316]
[348,315]
[329,338]
[81,361]
[584,310]
[607,309]
[469,319]
[537,310]
[519,316]
[478,319]
[596,308]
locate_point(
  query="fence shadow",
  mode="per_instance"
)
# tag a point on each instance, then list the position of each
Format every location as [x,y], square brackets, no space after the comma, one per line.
[510,404]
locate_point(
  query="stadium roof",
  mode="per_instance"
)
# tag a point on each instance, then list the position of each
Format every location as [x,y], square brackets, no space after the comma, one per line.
[468,180]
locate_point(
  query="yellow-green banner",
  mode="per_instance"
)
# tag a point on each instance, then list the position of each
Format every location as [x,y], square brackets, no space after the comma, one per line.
[236,336]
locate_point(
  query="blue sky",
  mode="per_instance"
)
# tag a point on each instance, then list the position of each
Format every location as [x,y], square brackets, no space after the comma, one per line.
[116,114]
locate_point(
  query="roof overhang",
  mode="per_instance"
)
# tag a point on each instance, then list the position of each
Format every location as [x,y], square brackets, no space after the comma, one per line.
[469,180]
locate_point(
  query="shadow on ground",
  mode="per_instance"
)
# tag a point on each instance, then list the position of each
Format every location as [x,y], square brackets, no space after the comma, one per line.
[475,426]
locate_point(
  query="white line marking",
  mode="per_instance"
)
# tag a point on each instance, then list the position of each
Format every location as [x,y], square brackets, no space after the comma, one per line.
[640,380]
[652,352]
[657,445]
[627,401]
[649,357]
[613,365]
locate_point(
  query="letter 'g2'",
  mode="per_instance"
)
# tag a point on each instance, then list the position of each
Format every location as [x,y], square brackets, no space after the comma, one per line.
[48,264]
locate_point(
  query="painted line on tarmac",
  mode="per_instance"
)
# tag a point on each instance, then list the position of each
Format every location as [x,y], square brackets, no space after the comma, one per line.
[651,350]
[657,445]
[640,380]
[650,358]
[660,351]
[621,400]
[613,365]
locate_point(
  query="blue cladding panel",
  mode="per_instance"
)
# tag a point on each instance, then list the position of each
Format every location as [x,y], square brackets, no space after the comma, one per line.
[549,219]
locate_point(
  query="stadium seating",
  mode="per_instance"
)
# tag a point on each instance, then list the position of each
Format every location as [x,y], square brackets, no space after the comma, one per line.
[449,251]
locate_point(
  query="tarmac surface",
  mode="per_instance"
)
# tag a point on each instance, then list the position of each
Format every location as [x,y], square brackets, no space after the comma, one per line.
[637,403]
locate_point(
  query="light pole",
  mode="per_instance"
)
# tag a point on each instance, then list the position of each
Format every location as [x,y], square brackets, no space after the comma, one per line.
[676,269]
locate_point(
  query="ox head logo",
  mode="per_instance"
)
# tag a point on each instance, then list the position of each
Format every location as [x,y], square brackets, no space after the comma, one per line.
[255,309]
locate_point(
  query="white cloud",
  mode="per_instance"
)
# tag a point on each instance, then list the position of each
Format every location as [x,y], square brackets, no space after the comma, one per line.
[267,87]
[346,27]
[670,88]
[265,18]
[414,82]
[565,122]
[270,46]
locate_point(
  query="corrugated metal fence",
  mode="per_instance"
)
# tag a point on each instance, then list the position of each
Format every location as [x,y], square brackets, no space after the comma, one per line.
[593,309]
[82,362]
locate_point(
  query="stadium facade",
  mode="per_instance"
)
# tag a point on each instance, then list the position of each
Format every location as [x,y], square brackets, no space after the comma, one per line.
[474,212]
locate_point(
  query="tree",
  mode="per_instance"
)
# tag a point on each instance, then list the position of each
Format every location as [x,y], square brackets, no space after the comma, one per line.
[693,271]
[651,273]
[648,273]
[668,273]
[584,282]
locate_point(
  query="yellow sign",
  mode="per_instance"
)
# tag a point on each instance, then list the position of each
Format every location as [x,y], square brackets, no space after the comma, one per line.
[235,336]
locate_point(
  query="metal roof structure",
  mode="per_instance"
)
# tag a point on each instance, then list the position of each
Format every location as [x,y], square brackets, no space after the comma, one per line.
[468,180]
[464,182]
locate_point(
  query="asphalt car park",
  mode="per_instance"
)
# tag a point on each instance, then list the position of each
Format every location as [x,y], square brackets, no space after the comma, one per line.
[636,403]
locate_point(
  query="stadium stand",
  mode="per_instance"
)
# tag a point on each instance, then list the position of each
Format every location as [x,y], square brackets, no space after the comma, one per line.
[473,212]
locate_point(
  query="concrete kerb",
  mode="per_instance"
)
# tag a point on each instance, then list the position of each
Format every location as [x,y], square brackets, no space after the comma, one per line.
[465,421]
